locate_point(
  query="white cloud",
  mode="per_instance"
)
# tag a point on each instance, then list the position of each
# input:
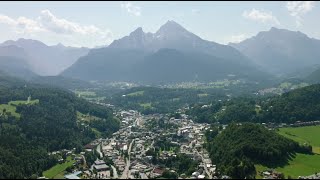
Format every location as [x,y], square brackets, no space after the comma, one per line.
[59,27]
[298,8]
[7,20]
[63,26]
[237,38]
[134,10]
[260,16]
[22,24]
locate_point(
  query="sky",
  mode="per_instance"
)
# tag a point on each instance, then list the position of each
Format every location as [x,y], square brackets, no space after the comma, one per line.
[98,23]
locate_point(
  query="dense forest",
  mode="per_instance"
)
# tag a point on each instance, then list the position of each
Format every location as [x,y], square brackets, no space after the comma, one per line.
[49,125]
[302,104]
[236,149]
[62,82]
[150,100]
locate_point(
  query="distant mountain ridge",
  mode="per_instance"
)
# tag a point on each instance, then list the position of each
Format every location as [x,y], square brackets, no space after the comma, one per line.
[172,35]
[43,59]
[314,77]
[16,66]
[172,54]
[281,51]
[277,52]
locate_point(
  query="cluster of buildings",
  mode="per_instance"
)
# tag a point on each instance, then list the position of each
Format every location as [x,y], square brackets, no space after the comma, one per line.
[314,176]
[128,147]
[272,174]
[193,148]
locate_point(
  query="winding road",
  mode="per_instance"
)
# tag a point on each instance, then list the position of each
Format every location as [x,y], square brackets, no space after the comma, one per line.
[99,150]
[205,166]
[126,170]
[115,173]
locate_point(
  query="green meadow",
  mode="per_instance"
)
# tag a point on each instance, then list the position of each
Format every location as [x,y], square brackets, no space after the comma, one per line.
[11,106]
[57,170]
[301,164]
[138,93]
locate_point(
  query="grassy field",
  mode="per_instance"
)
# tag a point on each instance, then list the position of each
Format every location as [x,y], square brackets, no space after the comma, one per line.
[306,134]
[203,95]
[146,105]
[24,102]
[84,117]
[59,176]
[85,93]
[57,170]
[138,93]
[301,164]
[11,106]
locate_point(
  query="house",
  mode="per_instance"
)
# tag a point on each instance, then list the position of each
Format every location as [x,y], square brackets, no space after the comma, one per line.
[195,174]
[100,165]
[104,174]
[157,172]
[201,176]
[266,173]
[89,147]
[99,162]
[125,147]
[225,177]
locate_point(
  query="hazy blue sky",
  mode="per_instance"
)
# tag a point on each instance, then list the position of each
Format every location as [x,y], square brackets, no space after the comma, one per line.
[99,23]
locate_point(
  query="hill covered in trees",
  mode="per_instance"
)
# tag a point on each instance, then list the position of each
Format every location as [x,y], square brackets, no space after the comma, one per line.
[236,149]
[314,77]
[298,105]
[49,125]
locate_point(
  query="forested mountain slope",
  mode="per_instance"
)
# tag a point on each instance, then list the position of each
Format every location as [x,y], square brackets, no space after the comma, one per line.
[48,122]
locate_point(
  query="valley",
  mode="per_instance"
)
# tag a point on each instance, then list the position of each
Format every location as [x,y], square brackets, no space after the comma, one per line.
[140,149]
[159,91]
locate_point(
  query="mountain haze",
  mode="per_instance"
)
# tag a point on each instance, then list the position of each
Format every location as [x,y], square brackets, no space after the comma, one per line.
[172,54]
[43,59]
[172,35]
[15,66]
[281,51]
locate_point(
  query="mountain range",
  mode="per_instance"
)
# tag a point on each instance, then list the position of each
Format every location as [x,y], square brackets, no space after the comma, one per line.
[172,35]
[281,51]
[42,59]
[172,54]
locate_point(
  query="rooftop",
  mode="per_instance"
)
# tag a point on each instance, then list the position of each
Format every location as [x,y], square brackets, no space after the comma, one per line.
[102,166]
[99,162]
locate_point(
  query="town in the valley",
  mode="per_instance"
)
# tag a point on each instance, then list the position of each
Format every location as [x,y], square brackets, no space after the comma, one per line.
[143,147]
[163,146]
[151,146]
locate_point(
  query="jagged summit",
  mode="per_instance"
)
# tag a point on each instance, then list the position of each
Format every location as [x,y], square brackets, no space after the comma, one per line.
[171,29]
[171,26]
[138,31]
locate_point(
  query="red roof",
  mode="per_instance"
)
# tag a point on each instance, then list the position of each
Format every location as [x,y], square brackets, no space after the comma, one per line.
[158,171]
[89,146]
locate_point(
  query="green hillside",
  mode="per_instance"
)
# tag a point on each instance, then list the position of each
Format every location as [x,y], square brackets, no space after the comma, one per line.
[49,124]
